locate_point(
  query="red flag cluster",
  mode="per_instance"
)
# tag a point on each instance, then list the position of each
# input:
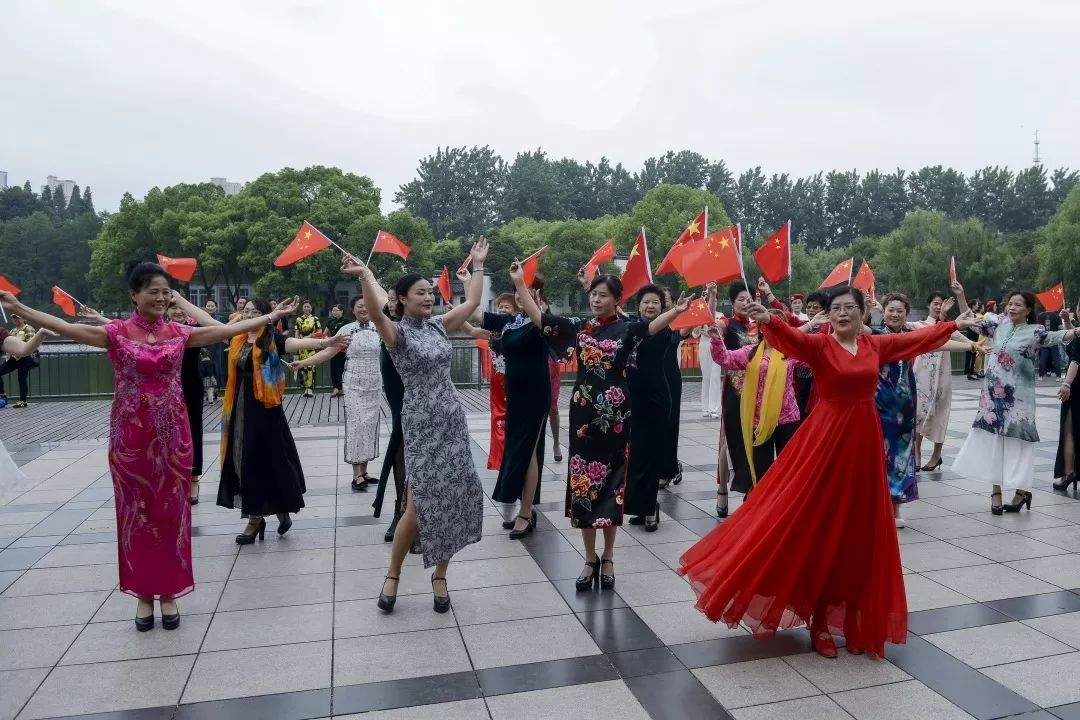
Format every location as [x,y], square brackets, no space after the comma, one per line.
[696,315]
[391,245]
[840,275]
[308,241]
[696,230]
[864,279]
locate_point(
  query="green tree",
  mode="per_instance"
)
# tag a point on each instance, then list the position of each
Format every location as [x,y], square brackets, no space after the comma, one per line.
[532,188]
[456,190]
[18,202]
[1059,252]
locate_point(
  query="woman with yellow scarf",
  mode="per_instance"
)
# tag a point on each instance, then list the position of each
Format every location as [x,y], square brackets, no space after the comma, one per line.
[259,463]
[770,416]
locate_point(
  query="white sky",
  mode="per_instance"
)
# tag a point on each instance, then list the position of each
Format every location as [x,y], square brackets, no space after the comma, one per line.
[128,94]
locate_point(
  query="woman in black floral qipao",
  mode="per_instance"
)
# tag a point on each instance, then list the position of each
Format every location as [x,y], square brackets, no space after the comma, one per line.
[599,411]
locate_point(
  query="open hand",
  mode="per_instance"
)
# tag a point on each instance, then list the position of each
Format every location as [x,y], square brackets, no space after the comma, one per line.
[285,307]
[1064,393]
[946,306]
[957,288]
[758,313]
[818,320]
[351,265]
[338,342]
[684,301]
[479,253]
[91,314]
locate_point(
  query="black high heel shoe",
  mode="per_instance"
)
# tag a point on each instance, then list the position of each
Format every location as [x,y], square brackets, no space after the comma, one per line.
[360,486]
[585,582]
[1025,499]
[284,525]
[932,468]
[678,476]
[527,530]
[652,522]
[170,622]
[145,624]
[1070,479]
[388,536]
[442,604]
[386,602]
[721,510]
[996,508]
[607,582]
[194,499]
[260,532]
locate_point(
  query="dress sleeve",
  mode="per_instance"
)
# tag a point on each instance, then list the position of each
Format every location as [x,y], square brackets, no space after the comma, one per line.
[1046,338]
[901,346]
[495,322]
[987,326]
[112,328]
[560,332]
[730,359]
[793,343]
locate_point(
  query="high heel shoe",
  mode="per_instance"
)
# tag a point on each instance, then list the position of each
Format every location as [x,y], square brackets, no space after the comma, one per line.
[260,532]
[932,468]
[194,499]
[359,486]
[996,508]
[442,603]
[386,602]
[585,582]
[284,525]
[652,522]
[721,508]
[678,476]
[607,582]
[1070,479]
[144,624]
[527,530]
[1025,499]
[388,536]
[170,622]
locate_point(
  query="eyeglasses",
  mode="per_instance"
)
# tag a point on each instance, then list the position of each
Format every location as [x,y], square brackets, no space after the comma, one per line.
[835,309]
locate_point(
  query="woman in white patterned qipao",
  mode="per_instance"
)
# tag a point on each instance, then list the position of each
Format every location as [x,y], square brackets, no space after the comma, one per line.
[362,383]
[445,501]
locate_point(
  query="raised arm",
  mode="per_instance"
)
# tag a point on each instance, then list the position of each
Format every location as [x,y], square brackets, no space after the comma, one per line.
[294,345]
[664,319]
[730,359]
[525,299]
[456,316]
[375,298]
[87,334]
[197,314]
[902,346]
[202,336]
[792,342]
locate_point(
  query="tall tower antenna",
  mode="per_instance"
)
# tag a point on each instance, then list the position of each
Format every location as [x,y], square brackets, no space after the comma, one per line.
[1036,160]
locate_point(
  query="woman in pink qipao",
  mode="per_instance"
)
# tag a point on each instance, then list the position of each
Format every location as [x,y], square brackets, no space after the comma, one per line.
[149,438]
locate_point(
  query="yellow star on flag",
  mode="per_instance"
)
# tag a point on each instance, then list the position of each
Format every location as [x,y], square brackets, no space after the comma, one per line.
[693,228]
[724,243]
[307,234]
[633,252]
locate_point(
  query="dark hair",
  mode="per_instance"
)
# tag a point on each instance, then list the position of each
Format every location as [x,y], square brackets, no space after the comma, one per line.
[266,337]
[537,283]
[356,299]
[402,287]
[897,297]
[653,290]
[1029,300]
[337,306]
[855,293]
[819,297]
[735,289]
[612,283]
[935,295]
[140,274]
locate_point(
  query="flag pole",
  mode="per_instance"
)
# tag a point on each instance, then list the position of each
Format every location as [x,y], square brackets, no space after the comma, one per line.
[742,267]
[790,243]
[648,262]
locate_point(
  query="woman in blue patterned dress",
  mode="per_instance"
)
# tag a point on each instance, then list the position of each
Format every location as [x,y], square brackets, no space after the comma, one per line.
[444,502]
[1000,449]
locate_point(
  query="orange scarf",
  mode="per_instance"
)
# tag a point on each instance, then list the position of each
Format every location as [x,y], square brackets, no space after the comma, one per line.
[268,381]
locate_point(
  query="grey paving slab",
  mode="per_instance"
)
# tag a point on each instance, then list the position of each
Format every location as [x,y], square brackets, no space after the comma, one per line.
[611,699]
[997,644]
[845,671]
[110,641]
[459,710]
[901,701]
[277,591]
[402,655]
[48,610]
[818,707]
[16,687]
[1047,681]
[48,581]
[121,606]
[539,639]
[755,683]
[35,647]
[259,671]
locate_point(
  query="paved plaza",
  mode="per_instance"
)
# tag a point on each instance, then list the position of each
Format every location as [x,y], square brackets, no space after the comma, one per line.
[288,629]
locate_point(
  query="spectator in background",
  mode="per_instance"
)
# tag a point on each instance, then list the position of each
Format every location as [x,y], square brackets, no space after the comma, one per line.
[21,365]
[1050,357]
[217,350]
[337,362]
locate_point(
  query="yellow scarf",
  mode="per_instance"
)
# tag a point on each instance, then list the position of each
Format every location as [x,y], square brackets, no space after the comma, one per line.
[772,401]
[268,381]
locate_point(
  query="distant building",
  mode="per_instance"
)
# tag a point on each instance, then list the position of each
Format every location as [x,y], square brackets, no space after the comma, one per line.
[3,180]
[230,188]
[53,183]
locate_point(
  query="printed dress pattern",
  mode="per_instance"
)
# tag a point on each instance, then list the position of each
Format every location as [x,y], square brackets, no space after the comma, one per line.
[362,382]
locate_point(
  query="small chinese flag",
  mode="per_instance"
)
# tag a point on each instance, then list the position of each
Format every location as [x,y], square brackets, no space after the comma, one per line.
[531,265]
[390,244]
[444,284]
[696,315]
[1053,299]
[182,269]
[864,279]
[840,275]
[952,269]
[774,257]
[637,273]
[606,253]
[64,300]
[308,241]
[696,230]
[8,286]
[717,258]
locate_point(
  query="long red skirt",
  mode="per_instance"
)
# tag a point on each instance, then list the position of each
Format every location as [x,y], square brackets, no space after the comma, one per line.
[497,402]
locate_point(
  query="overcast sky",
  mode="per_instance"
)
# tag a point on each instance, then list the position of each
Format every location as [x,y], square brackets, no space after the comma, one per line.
[127,94]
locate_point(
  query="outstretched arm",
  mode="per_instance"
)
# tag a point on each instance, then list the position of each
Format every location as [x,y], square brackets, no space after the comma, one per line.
[902,346]
[202,336]
[197,314]
[374,298]
[339,342]
[86,334]
[792,342]
[455,317]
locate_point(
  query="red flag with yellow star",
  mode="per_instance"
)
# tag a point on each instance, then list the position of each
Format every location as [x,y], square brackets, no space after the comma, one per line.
[774,257]
[606,253]
[391,244]
[864,279]
[531,265]
[840,275]
[308,241]
[1053,299]
[717,258]
[638,272]
[696,230]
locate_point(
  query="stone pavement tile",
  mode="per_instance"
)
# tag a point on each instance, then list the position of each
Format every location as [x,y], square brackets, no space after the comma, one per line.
[25,517]
[104,687]
[1061,570]
[958,503]
[301,562]
[667,532]
[910,536]
[490,546]
[368,557]
[259,671]
[213,545]
[1067,537]
[925,594]
[669,553]
[45,541]
[35,647]
[268,626]
[510,602]
[361,618]
[1045,681]
[652,588]
[111,641]
[16,687]
[845,671]
[73,555]
[989,582]
[277,591]
[1065,627]
[611,700]
[459,710]
[901,701]
[1003,548]
[8,578]
[48,610]
[401,655]
[20,558]
[937,555]
[997,644]
[818,707]
[754,683]
[920,509]
[212,569]
[121,606]
[680,622]
[1021,521]
[513,642]
[364,584]
[953,526]
[361,535]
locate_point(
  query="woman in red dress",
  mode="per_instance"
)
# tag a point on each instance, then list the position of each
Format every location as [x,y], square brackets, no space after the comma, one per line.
[815,543]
